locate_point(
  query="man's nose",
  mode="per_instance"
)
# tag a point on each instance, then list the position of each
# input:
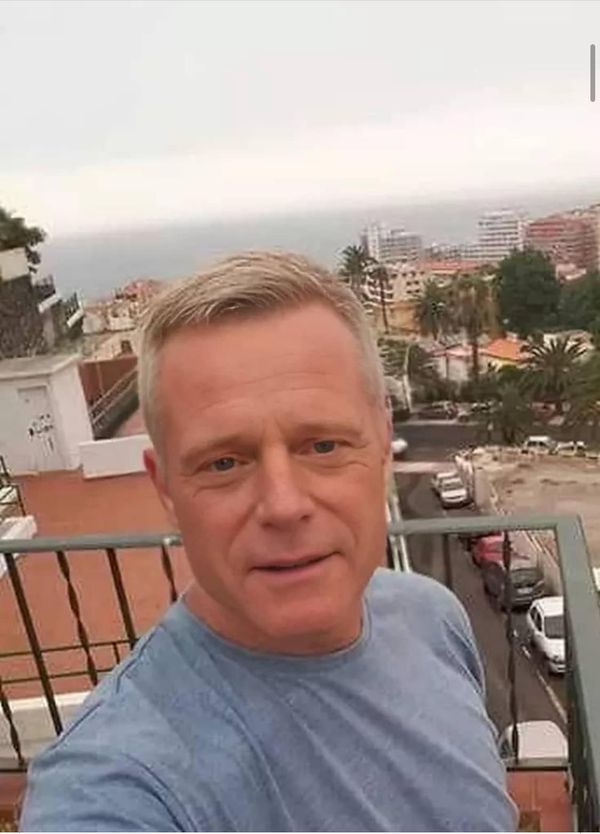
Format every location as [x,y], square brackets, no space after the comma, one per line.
[283,498]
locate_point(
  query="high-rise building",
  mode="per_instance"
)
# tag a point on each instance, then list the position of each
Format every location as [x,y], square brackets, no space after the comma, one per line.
[500,232]
[391,245]
[567,238]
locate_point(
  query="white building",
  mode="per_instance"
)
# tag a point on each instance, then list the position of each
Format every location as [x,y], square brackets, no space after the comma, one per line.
[500,232]
[408,280]
[391,245]
[13,264]
[44,415]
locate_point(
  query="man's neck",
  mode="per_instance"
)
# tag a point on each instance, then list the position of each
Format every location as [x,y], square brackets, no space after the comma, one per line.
[245,634]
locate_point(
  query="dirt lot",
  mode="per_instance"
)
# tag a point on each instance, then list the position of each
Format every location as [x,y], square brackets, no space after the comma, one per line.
[549,485]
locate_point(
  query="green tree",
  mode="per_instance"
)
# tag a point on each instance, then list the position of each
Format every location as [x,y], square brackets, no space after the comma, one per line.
[354,265]
[580,303]
[381,278]
[434,312]
[528,292]
[393,356]
[551,368]
[16,234]
[583,415]
[511,416]
[474,311]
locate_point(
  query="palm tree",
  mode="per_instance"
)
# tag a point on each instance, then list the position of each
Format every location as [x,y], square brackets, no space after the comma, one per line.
[551,368]
[511,416]
[379,276]
[354,266]
[433,312]
[584,396]
[473,303]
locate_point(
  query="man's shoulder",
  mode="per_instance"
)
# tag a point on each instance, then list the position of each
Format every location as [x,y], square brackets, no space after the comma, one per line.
[411,604]
[139,694]
[151,721]
[418,594]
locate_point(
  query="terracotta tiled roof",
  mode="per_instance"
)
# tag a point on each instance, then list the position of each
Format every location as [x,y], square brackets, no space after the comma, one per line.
[508,350]
[65,504]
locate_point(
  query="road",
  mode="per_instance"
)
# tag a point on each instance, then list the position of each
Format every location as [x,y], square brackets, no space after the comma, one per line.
[427,439]
[539,695]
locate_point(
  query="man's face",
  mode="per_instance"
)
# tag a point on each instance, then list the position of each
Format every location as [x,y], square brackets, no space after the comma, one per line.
[272,464]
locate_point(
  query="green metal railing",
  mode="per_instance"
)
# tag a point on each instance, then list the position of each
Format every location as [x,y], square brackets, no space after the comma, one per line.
[112,547]
[582,626]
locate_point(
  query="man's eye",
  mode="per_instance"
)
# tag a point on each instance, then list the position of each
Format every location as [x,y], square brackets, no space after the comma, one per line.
[223,464]
[323,447]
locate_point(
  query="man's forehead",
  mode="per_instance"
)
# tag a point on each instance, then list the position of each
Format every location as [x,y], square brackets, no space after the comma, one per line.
[302,341]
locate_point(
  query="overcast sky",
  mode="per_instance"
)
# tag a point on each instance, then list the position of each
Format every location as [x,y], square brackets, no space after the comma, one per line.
[124,113]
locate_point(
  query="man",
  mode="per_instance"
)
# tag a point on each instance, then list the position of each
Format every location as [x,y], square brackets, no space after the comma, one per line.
[294,687]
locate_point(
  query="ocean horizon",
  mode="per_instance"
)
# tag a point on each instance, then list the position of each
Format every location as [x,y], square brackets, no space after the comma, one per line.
[96,264]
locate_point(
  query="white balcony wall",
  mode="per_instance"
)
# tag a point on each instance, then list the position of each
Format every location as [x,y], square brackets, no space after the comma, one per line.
[34,725]
[116,456]
[13,264]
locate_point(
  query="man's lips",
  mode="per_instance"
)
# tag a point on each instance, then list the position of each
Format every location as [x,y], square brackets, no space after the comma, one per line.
[289,563]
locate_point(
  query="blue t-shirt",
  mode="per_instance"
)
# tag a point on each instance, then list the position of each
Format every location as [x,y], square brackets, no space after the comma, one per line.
[193,733]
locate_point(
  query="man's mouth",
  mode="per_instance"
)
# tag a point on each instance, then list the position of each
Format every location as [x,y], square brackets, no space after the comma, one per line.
[295,565]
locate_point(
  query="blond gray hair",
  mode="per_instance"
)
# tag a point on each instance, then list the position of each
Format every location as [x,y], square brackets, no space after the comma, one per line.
[245,285]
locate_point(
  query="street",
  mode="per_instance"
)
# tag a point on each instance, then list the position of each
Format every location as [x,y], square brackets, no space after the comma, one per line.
[539,695]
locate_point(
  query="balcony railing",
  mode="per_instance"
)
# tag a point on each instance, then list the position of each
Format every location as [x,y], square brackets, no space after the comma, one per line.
[73,310]
[87,658]
[108,411]
[91,654]
[44,288]
[582,628]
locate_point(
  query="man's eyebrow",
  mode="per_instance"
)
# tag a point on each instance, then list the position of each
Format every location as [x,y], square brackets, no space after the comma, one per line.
[323,424]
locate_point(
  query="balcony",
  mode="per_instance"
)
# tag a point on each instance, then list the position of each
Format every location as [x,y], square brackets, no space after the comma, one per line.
[73,310]
[45,293]
[49,659]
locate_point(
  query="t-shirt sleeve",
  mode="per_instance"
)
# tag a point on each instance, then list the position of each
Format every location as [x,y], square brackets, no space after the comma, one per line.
[72,788]
[462,640]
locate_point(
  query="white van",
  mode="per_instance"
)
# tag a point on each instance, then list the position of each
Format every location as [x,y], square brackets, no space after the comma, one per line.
[538,444]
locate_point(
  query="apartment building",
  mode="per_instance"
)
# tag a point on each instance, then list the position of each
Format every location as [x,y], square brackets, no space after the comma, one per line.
[500,232]
[391,245]
[567,238]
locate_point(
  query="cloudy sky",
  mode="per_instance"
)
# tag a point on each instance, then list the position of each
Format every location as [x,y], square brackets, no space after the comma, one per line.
[127,113]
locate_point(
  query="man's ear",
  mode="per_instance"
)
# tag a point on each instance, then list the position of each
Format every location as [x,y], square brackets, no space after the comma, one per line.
[155,470]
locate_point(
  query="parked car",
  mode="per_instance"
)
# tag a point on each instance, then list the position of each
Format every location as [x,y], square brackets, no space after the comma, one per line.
[570,448]
[488,548]
[437,479]
[546,631]
[537,740]
[451,490]
[469,540]
[439,411]
[481,407]
[399,447]
[464,414]
[539,444]
[517,588]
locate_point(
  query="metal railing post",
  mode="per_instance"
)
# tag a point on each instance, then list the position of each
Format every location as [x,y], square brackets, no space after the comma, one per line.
[34,643]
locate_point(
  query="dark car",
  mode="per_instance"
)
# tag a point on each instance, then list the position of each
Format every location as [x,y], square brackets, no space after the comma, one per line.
[439,411]
[526,583]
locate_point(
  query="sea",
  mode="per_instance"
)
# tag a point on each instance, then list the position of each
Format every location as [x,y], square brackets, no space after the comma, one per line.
[96,264]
